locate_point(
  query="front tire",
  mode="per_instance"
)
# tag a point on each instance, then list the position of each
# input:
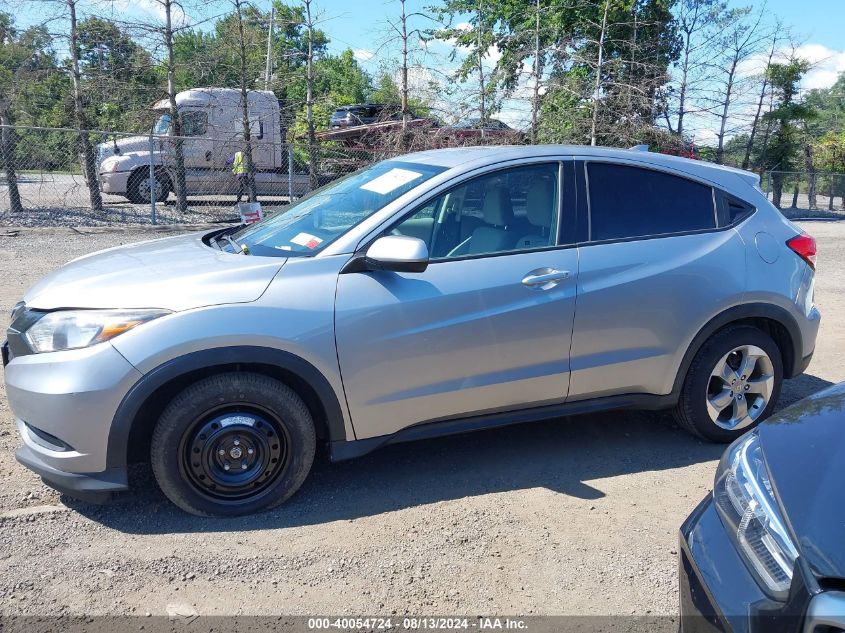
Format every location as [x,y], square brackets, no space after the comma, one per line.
[233,444]
[732,384]
[138,187]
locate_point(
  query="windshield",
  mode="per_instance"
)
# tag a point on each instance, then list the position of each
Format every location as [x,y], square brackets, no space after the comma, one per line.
[162,124]
[319,219]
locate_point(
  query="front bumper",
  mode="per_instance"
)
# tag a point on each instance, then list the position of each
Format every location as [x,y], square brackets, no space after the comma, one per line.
[114,182]
[717,591]
[92,487]
[64,404]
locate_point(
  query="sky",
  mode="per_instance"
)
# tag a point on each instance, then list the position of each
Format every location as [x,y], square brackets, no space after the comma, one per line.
[817,24]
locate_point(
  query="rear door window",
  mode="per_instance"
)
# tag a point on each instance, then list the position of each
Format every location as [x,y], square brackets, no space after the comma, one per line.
[629,202]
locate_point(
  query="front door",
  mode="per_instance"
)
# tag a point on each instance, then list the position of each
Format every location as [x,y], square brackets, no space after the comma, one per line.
[487,327]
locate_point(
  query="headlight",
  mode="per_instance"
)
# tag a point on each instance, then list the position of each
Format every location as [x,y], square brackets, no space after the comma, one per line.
[72,329]
[744,498]
[110,164]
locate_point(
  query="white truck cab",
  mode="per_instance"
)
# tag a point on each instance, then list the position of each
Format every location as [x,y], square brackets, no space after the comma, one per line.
[212,129]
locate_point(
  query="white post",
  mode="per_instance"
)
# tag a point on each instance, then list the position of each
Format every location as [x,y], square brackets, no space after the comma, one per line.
[290,173]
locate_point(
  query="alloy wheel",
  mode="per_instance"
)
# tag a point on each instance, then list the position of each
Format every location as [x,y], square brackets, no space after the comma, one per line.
[740,387]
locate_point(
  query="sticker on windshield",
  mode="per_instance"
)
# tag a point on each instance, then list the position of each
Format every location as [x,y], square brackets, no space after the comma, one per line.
[307,240]
[391,180]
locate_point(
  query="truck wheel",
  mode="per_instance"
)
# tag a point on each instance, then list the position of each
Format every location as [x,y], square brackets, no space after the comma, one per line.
[138,187]
[732,385]
[233,444]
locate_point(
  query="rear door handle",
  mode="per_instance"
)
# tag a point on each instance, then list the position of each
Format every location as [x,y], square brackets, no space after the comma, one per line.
[544,278]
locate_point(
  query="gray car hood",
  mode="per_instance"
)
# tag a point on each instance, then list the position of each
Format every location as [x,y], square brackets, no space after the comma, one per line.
[174,273]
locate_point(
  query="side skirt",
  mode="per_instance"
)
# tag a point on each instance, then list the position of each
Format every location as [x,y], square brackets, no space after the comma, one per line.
[343,450]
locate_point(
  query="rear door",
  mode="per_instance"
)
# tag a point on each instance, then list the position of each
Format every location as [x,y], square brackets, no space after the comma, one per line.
[654,268]
[485,330]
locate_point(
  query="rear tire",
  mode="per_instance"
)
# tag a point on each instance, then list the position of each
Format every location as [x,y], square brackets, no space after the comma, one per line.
[233,444]
[732,384]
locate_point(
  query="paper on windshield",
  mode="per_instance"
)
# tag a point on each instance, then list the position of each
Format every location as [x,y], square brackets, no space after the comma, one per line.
[307,240]
[391,180]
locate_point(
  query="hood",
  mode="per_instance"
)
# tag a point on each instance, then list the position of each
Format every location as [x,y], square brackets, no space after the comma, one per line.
[804,448]
[174,273]
[125,146]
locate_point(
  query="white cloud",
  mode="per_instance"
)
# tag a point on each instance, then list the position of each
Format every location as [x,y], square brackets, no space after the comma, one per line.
[826,64]
[706,136]
[363,55]
[153,8]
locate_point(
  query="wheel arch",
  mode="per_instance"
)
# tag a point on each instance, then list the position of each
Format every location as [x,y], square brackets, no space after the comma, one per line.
[771,319]
[131,429]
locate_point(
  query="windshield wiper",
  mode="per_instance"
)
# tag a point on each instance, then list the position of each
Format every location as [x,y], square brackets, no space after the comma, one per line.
[215,241]
[239,248]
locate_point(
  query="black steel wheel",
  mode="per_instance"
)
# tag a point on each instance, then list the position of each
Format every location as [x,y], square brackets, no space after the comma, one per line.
[233,444]
[234,452]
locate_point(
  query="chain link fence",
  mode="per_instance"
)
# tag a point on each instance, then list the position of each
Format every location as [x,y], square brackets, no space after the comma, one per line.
[44,182]
[801,194]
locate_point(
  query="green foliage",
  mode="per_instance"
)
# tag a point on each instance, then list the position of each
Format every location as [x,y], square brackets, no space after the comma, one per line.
[119,79]
[387,90]
[781,152]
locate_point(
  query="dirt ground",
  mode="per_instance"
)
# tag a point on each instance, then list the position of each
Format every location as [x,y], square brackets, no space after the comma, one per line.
[572,516]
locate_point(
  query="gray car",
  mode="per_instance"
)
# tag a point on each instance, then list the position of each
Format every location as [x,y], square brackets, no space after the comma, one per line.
[436,293]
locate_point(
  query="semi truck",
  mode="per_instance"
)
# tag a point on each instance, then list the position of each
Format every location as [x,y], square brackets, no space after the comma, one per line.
[212,132]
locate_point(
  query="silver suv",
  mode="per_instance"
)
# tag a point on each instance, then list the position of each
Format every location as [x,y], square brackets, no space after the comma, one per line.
[437,293]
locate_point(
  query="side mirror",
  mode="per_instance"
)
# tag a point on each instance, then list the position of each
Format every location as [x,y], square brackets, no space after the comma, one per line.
[397,253]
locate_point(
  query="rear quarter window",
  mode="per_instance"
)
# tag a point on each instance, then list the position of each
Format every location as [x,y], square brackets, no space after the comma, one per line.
[630,202]
[733,210]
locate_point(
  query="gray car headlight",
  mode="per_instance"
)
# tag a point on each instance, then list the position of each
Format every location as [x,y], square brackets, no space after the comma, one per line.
[744,498]
[73,329]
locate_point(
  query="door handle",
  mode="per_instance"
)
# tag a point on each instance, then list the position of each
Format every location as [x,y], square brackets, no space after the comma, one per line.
[544,278]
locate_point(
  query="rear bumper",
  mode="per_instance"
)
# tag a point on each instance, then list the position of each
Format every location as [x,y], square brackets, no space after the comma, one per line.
[91,487]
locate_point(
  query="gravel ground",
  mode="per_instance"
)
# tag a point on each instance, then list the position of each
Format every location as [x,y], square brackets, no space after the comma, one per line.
[52,200]
[573,516]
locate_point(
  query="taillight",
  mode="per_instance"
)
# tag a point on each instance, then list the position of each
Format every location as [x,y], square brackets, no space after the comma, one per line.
[804,246]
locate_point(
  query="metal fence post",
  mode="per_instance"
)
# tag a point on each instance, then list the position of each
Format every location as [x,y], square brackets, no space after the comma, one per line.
[152,183]
[290,174]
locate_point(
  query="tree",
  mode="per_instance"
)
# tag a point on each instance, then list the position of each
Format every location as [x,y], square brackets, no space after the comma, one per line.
[624,50]
[410,39]
[774,41]
[118,76]
[741,39]
[309,96]
[12,57]
[780,153]
[89,159]
[244,101]
[475,42]
[385,89]
[698,27]
[169,7]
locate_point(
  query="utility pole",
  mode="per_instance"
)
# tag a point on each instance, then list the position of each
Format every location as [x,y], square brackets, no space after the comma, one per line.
[268,72]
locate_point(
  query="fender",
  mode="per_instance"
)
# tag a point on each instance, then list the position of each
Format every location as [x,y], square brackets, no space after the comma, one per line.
[135,398]
[792,359]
